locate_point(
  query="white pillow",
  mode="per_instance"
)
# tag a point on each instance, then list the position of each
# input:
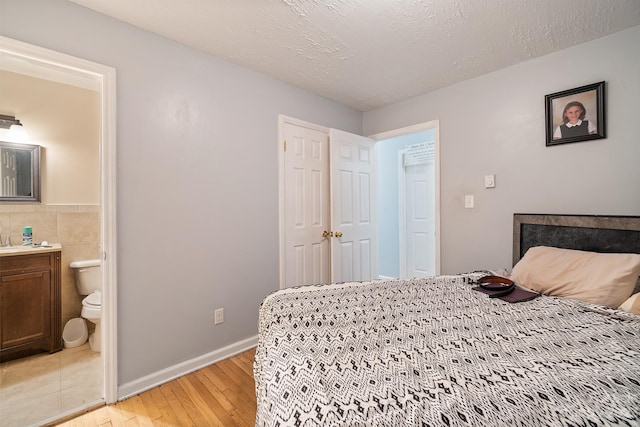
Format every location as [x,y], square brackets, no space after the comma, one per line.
[598,278]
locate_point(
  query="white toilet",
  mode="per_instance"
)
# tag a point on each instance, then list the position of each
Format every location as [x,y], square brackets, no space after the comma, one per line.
[88,278]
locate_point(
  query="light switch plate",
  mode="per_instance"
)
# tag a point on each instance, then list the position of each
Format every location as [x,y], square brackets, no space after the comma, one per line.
[489,181]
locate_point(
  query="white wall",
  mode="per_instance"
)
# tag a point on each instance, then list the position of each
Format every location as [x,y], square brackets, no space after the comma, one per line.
[197,180]
[494,124]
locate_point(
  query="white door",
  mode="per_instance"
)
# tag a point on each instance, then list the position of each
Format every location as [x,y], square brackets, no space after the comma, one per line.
[353,211]
[417,215]
[328,204]
[306,206]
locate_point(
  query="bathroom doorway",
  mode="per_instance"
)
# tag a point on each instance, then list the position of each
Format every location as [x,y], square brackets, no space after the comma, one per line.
[23,59]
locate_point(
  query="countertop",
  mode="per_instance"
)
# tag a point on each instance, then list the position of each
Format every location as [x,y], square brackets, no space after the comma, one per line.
[25,250]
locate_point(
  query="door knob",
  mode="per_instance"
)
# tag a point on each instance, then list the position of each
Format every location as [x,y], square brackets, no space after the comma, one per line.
[326,233]
[338,234]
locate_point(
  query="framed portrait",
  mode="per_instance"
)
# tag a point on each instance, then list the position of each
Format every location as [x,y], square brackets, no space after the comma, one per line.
[575,115]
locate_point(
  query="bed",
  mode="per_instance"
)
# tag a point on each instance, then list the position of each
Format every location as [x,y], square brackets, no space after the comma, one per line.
[434,351]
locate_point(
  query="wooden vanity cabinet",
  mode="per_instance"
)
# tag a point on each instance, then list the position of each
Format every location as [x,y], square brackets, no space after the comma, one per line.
[30,304]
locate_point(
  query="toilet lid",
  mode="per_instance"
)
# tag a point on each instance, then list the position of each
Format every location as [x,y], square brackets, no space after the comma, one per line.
[93,299]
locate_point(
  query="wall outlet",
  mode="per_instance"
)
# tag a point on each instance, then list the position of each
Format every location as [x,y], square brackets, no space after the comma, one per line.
[468,201]
[218,316]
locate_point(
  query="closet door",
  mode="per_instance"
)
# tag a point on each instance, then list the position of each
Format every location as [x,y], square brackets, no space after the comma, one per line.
[306,206]
[353,207]
[328,206]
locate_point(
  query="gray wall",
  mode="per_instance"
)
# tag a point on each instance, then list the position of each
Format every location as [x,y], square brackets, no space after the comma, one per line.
[197,175]
[494,124]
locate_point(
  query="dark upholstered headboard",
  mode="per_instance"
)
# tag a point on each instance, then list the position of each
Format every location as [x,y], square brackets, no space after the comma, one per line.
[595,233]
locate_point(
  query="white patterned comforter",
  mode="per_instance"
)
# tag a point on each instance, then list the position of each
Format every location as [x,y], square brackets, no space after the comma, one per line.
[432,352]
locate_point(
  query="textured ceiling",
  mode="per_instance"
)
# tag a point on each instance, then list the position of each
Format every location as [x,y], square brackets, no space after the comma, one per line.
[370,53]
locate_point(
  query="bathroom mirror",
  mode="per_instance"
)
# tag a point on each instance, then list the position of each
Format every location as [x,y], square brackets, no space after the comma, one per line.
[19,172]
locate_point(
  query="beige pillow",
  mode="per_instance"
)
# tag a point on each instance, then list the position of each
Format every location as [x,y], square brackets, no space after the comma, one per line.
[632,305]
[604,279]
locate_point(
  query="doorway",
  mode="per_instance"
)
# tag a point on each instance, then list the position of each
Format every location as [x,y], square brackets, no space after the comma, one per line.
[409,229]
[44,64]
[426,254]
[415,211]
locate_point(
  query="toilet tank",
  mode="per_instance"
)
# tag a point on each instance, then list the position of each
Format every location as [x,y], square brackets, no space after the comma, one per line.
[87,275]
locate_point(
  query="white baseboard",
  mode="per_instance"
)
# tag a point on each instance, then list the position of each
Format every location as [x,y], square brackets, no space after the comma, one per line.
[387,278]
[157,378]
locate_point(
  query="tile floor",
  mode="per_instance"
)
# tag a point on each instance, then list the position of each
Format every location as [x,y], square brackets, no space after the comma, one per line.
[45,386]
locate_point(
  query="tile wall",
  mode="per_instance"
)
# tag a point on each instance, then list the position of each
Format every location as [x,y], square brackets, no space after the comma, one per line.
[75,227]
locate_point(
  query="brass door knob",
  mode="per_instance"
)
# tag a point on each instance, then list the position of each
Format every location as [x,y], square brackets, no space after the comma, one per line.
[338,234]
[326,233]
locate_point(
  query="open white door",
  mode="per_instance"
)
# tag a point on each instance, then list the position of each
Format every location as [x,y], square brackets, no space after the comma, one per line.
[353,207]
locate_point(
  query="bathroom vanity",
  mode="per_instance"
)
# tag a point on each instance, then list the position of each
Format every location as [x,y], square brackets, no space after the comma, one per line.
[30,301]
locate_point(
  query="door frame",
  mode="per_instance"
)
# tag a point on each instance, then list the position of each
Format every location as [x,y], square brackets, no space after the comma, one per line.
[106,78]
[435,125]
[282,120]
[402,214]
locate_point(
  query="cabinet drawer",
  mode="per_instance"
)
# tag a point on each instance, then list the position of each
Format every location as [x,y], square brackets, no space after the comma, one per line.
[35,262]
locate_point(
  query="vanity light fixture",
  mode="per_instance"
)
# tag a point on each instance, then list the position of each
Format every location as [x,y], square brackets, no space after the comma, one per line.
[7,121]
[16,130]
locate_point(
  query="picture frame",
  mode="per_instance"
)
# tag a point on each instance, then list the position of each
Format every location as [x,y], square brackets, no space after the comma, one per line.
[576,115]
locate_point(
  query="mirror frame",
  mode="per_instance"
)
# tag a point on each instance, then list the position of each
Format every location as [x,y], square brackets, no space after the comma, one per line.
[35,172]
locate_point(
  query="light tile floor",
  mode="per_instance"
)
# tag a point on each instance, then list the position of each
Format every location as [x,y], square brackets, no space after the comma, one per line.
[44,386]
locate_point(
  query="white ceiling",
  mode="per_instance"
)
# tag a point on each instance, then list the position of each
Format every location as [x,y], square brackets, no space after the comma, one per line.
[370,53]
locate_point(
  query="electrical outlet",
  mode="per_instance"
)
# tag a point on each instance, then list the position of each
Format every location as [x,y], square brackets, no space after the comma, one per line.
[468,201]
[218,316]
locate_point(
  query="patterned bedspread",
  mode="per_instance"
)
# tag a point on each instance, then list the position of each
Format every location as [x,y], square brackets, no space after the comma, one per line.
[433,352]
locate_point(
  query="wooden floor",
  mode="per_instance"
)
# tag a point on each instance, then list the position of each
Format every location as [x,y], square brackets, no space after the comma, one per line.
[222,394]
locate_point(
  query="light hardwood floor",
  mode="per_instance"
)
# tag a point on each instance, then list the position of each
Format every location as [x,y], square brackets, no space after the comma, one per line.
[222,394]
